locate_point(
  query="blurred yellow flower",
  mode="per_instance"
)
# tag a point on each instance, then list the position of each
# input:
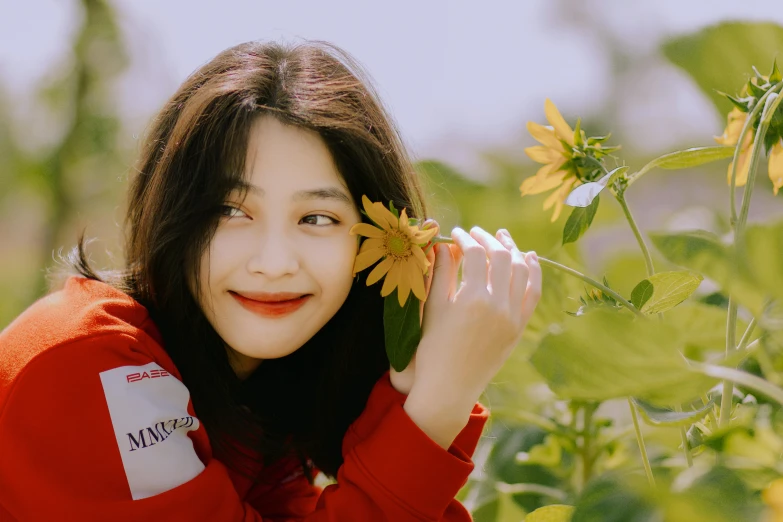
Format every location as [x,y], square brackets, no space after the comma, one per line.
[773,497]
[399,244]
[776,166]
[730,137]
[556,153]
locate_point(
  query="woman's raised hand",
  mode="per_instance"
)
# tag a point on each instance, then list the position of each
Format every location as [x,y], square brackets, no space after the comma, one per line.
[468,332]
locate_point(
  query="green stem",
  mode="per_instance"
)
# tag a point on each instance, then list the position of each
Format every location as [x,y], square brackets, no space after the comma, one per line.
[771,102]
[684,439]
[650,272]
[728,386]
[570,271]
[744,378]
[639,239]
[587,427]
[640,440]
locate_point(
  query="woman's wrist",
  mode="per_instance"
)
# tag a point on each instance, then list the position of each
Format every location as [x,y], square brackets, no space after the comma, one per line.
[441,416]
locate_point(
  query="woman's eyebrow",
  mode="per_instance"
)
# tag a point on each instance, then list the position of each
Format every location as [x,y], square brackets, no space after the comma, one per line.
[332,193]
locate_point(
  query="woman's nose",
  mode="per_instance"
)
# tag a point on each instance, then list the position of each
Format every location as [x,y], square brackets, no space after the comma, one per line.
[275,255]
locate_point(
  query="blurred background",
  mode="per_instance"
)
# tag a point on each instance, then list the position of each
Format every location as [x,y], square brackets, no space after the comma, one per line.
[80,80]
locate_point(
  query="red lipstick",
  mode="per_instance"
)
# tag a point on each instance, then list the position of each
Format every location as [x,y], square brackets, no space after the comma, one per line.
[271,304]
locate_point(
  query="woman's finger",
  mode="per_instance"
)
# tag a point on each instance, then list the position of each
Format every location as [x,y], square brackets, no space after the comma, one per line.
[533,291]
[428,278]
[442,272]
[499,264]
[474,265]
[456,255]
[519,271]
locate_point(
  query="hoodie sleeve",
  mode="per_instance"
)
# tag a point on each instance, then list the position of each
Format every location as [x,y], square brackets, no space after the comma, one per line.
[387,456]
[101,430]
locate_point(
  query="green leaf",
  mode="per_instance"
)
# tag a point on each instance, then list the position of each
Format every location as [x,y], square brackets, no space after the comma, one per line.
[764,257]
[607,354]
[508,510]
[754,89]
[401,328]
[664,417]
[592,140]
[579,221]
[551,513]
[578,133]
[549,453]
[641,293]
[740,103]
[683,159]
[664,290]
[393,209]
[721,56]
[774,75]
[612,498]
[703,252]
[584,194]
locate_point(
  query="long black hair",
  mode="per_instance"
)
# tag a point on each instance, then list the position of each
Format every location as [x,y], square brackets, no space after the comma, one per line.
[191,158]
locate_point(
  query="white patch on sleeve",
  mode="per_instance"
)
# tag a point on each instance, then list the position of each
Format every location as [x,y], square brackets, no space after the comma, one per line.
[149,413]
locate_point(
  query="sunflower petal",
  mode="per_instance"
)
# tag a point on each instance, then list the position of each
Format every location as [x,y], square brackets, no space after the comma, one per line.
[776,166]
[365,229]
[536,185]
[542,154]
[375,212]
[386,214]
[422,237]
[546,170]
[366,259]
[379,271]
[556,120]
[404,288]
[417,284]
[743,168]
[544,135]
[735,122]
[562,194]
[371,243]
[392,279]
[421,259]
[404,225]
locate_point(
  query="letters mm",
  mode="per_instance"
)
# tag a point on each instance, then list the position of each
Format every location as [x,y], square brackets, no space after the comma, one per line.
[157,433]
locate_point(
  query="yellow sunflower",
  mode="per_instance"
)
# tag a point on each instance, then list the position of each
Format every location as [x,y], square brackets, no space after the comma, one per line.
[773,497]
[730,137]
[399,244]
[555,152]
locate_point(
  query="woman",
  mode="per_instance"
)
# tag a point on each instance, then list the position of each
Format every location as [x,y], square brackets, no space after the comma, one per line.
[236,354]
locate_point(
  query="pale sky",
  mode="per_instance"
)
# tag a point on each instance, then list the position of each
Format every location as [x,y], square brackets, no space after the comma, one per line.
[458,76]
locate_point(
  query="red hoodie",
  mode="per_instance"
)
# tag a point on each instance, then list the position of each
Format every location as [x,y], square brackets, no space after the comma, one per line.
[96,425]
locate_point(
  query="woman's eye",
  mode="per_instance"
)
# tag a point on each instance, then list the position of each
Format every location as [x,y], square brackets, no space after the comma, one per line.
[230,211]
[324,220]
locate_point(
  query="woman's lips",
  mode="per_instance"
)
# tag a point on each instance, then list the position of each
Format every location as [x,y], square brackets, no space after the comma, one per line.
[271,308]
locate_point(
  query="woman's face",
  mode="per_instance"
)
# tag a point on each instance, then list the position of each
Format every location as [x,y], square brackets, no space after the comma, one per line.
[280,263]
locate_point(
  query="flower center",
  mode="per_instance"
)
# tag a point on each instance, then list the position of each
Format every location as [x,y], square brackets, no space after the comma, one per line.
[397,244]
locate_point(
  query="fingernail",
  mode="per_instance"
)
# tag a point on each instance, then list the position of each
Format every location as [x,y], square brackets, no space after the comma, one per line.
[534,255]
[506,232]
